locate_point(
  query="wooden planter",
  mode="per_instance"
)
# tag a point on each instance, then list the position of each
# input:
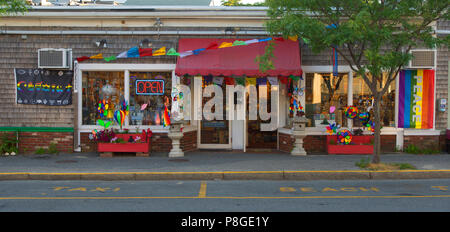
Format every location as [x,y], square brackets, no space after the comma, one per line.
[140,148]
[362,144]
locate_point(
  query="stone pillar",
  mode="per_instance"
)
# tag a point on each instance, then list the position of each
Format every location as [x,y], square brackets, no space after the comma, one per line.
[175,135]
[299,133]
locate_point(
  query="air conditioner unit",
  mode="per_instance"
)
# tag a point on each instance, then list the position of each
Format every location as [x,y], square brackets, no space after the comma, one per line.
[422,59]
[55,58]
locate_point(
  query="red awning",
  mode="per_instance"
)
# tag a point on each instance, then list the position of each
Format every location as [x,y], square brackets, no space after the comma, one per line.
[236,60]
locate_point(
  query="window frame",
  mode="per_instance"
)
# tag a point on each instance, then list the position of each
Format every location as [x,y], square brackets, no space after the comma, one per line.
[345,69]
[126,68]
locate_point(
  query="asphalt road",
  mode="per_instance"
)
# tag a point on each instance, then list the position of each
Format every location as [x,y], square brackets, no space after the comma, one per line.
[226,196]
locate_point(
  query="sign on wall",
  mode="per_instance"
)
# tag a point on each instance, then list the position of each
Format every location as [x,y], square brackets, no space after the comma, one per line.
[416,99]
[41,86]
[149,87]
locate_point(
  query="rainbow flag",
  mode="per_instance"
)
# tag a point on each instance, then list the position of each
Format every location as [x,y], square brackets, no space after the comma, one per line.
[166,117]
[416,99]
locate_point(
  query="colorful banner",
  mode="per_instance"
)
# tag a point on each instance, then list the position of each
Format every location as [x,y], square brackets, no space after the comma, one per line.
[45,87]
[136,52]
[416,99]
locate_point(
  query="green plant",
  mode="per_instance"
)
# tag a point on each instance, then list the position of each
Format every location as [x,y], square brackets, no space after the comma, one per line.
[413,149]
[363,163]
[40,151]
[8,144]
[332,142]
[52,149]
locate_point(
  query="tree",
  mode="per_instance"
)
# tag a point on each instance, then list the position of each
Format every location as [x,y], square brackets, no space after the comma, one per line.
[11,7]
[239,3]
[372,36]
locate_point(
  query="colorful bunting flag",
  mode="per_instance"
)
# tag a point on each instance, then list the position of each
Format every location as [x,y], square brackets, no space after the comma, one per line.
[251,80]
[98,56]
[197,51]
[212,45]
[239,43]
[145,52]
[293,38]
[133,52]
[83,58]
[261,81]
[160,52]
[225,45]
[172,52]
[240,81]
[111,58]
[186,53]
[123,55]
[272,80]
[251,41]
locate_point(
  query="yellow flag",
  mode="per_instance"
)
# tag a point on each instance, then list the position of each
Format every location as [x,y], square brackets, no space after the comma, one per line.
[160,52]
[251,80]
[225,45]
[293,38]
[98,56]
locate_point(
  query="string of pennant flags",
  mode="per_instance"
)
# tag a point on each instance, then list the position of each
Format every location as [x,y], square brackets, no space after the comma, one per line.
[137,52]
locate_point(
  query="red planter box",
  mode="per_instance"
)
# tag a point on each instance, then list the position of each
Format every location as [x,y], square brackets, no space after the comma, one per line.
[125,147]
[362,144]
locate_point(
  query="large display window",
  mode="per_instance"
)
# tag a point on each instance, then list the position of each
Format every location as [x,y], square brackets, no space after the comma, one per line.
[324,92]
[104,88]
[149,97]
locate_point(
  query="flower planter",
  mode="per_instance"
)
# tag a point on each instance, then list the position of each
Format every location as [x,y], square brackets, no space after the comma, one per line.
[362,144]
[141,148]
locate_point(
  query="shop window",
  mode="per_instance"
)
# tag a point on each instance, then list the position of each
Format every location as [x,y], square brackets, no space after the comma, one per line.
[102,87]
[362,98]
[325,91]
[149,96]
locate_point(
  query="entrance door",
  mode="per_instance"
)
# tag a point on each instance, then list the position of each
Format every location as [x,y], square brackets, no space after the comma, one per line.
[256,138]
[215,134]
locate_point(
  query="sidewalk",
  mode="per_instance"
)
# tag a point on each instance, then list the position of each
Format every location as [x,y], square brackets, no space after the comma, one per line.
[215,165]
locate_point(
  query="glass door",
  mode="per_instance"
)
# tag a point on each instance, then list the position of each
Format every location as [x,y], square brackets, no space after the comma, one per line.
[215,134]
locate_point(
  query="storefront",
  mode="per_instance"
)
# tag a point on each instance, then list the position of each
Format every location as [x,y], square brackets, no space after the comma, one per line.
[211,51]
[235,66]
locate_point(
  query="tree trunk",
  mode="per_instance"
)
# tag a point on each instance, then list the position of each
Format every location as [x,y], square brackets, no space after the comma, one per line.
[377,136]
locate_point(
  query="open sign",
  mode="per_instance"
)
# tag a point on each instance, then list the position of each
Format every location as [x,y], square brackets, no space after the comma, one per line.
[149,87]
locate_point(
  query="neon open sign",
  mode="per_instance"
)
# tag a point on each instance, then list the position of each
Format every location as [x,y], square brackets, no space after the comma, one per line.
[150,87]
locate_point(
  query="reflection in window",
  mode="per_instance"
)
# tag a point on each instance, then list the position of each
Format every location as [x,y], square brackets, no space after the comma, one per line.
[362,98]
[102,87]
[149,109]
[323,90]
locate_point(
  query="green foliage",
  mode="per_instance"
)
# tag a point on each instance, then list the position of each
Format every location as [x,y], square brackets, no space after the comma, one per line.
[40,151]
[8,144]
[239,3]
[373,37]
[13,7]
[265,61]
[363,163]
[51,150]
[413,149]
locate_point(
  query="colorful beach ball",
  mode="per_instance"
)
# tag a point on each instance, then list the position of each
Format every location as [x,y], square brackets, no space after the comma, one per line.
[364,116]
[344,136]
[351,112]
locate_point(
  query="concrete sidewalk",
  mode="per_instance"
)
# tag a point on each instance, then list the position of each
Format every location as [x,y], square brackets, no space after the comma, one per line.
[215,165]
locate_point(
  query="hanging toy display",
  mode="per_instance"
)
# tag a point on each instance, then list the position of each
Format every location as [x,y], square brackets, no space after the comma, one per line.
[332,128]
[364,117]
[119,117]
[103,107]
[344,136]
[351,112]
[370,125]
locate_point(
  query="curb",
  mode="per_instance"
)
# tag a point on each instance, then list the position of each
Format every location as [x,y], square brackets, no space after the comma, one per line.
[234,175]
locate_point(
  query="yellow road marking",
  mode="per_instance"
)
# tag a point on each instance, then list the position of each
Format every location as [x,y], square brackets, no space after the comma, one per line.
[218,197]
[202,192]
[217,172]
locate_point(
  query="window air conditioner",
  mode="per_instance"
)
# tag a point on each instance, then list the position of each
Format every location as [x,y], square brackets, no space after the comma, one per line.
[52,58]
[422,59]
